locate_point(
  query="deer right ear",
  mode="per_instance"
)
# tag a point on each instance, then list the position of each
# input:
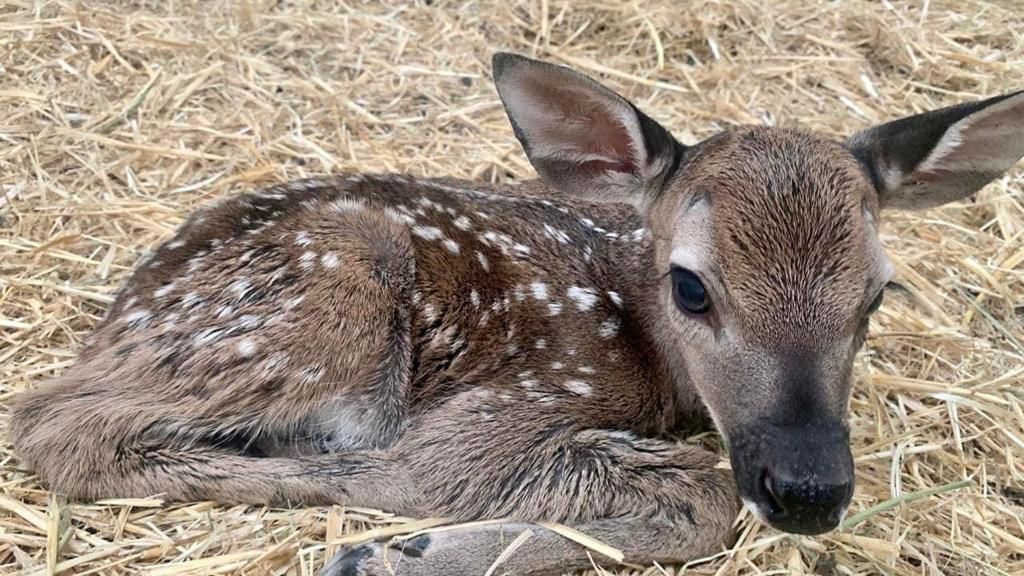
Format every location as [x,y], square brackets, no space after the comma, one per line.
[945,155]
[581,137]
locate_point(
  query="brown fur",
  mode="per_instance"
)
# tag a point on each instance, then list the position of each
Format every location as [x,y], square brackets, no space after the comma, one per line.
[449,348]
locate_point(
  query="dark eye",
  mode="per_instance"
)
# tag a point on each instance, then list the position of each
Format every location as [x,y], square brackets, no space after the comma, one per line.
[688,292]
[875,304]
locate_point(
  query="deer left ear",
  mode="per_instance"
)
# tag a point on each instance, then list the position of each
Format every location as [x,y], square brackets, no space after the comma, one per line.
[945,155]
[581,137]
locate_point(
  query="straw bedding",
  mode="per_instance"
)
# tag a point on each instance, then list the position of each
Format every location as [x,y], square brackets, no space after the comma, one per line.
[116,120]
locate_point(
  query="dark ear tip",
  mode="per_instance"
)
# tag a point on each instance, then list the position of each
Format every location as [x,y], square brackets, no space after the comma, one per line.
[501,62]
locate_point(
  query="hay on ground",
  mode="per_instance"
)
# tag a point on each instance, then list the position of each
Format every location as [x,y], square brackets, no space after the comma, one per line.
[117,119]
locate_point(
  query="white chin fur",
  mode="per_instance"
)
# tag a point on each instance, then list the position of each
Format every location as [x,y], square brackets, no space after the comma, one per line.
[755,510]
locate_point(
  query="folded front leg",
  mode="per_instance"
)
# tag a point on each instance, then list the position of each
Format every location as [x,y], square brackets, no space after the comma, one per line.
[657,500]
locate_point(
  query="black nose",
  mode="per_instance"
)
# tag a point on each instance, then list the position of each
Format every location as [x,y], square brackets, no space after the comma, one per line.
[804,505]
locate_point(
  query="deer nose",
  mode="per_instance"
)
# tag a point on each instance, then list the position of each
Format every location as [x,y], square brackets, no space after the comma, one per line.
[804,504]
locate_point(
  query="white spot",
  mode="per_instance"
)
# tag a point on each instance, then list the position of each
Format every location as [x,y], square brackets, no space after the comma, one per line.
[588,253]
[303,239]
[578,387]
[429,312]
[483,261]
[240,287]
[196,261]
[427,232]
[557,365]
[225,311]
[608,328]
[308,260]
[585,370]
[483,215]
[554,308]
[474,297]
[175,245]
[292,303]
[137,318]
[615,298]
[451,245]
[191,300]
[526,374]
[329,260]
[528,383]
[248,322]
[571,351]
[246,348]
[587,222]
[556,234]
[539,290]
[540,344]
[399,217]
[522,249]
[462,223]
[163,290]
[207,336]
[347,205]
[541,397]
[585,298]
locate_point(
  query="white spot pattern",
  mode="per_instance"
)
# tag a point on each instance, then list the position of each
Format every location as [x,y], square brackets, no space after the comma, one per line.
[329,260]
[585,298]
[246,348]
[578,387]
[428,232]
[539,290]
[483,261]
[615,298]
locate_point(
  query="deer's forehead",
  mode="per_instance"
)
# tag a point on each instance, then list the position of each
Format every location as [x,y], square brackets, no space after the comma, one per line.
[787,228]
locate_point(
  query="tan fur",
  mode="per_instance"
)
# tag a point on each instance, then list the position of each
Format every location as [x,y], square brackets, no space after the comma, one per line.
[455,349]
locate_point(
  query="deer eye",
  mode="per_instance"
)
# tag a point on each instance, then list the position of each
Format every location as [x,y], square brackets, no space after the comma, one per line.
[688,292]
[875,304]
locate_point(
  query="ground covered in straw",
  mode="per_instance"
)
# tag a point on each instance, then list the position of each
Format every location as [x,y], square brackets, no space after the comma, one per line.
[115,120]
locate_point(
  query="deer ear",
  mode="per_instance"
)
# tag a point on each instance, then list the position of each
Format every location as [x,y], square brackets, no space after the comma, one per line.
[945,155]
[581,137]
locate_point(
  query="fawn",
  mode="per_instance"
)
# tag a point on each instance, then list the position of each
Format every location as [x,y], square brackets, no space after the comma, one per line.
[452,348]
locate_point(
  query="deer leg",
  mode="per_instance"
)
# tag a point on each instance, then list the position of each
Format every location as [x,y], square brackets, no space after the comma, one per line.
[530,549]
[658,500]
[124,454]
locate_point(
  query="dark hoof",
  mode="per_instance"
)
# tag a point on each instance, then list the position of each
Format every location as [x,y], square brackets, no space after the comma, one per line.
[415,547]
[348,562]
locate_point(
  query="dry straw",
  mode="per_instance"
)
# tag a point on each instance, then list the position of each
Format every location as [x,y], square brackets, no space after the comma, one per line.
[115,120]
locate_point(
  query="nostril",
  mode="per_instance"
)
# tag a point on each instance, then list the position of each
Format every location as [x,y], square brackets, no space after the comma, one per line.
[776,509]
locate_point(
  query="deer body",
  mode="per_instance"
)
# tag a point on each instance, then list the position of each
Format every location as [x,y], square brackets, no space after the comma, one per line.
[456,349]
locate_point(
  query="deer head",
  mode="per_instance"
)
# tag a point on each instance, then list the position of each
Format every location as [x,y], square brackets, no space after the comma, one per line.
[766,245]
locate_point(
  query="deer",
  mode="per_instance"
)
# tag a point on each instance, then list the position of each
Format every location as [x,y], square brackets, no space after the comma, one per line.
[522,352]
